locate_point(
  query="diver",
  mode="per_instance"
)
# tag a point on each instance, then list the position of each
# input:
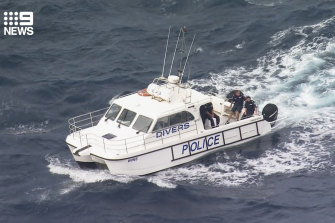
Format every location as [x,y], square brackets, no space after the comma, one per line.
[209,114]
[238,100]
[250,108]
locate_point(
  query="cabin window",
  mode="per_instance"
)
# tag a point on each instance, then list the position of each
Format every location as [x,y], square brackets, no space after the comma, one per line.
[174,119]
[186,116]
[113,111]
[162,123]
[126,117]
[142,124]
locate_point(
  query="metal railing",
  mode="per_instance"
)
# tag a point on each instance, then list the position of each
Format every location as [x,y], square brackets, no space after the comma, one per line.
[92,118]
[142,141]
[135,143]
[87,120]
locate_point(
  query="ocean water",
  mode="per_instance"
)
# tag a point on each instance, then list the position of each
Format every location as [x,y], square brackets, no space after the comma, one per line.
[84,53]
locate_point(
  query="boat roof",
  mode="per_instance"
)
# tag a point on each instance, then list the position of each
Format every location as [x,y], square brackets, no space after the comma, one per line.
[155,106]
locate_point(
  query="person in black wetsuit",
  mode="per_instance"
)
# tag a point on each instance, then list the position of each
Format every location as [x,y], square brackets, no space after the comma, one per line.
[209,114]
[250,108]
[238,100]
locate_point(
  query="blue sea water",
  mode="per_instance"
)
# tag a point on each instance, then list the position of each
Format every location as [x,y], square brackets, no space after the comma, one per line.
[83,53]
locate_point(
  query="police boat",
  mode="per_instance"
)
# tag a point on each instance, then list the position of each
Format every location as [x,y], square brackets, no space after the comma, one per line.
[161,127]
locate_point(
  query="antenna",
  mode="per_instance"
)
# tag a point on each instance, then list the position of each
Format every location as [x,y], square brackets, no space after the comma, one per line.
[167,44]
[183,45]
[175,51]
[189,71]
[188,54]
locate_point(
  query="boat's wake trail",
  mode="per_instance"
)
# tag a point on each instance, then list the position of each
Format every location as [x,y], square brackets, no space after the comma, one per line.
[300,80]
[305,148]
[298,151]
[70,168]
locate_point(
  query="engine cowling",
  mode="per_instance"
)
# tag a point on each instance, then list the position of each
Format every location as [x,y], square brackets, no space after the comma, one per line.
[270,112]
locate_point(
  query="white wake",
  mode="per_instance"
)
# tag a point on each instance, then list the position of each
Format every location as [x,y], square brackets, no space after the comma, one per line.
[300,80]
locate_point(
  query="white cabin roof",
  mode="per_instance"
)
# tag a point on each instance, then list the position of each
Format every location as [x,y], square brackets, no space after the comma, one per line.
[177,97]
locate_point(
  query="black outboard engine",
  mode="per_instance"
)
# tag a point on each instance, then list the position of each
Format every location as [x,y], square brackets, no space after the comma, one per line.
[231,95]
[270,113]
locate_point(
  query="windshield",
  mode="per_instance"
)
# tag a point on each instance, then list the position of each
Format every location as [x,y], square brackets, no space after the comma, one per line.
[113,111]
[142,123]
[126,117]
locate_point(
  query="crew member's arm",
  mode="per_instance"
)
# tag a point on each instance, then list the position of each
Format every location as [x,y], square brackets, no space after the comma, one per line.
[211,113]
[255,111]
[232,101]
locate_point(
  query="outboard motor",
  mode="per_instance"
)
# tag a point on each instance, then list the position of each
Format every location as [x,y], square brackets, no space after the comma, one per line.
[231,95]
[270,113]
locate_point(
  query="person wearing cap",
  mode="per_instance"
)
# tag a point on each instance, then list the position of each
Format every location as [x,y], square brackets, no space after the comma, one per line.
[250,108]
[238,100]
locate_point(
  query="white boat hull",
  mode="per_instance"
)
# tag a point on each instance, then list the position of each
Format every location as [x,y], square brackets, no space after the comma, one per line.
[156,161]
[180,152]
[83,156]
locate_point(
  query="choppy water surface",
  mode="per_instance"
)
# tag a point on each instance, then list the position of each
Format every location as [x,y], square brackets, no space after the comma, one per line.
[84,53]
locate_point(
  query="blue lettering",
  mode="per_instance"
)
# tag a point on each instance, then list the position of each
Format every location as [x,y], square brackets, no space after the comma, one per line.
[185,147]
[158,134]
[173,129]
[198,145]
[216,140]
[180,127]
[167,131]
[132,159]
[203,143]
[210,143]
[195,146]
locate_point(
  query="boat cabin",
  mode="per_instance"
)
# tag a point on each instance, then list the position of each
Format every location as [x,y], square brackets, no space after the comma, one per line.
[169,108]
[165,112]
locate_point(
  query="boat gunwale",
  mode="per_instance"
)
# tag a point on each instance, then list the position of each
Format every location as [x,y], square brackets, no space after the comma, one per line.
[155,150]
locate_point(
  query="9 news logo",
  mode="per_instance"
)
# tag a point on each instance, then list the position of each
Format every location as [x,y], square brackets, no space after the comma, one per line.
[18,23]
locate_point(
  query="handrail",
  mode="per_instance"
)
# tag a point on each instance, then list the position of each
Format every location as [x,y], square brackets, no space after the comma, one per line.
[139,142]
[73,122]
[83,121]
[127,145]
[90,119]
[88,113]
